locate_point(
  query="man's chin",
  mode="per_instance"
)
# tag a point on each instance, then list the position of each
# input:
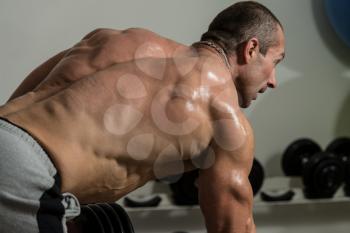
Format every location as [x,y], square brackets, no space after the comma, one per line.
[245,104]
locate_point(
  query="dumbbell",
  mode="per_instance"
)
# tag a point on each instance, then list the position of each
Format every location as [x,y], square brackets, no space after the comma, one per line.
[256,176]
[322,172]
[103,218]
[340,147]
[185,191]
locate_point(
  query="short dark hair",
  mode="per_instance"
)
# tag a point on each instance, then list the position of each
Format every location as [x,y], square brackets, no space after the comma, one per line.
[241,22]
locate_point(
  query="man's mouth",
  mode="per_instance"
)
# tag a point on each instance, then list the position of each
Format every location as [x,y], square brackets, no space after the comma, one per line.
[262,90]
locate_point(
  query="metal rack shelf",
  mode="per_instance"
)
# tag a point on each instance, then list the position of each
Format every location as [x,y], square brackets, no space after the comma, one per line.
[299,199]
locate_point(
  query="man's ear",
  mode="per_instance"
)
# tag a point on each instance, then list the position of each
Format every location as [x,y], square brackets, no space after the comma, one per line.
[250,50]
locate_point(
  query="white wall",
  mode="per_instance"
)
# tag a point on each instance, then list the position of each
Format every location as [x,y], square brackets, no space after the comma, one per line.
[313,97]
[34,30]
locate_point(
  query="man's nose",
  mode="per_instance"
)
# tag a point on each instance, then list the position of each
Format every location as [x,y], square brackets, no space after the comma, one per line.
[271,82]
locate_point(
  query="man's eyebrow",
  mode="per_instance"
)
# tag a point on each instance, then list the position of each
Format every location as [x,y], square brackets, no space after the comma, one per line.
[282,55]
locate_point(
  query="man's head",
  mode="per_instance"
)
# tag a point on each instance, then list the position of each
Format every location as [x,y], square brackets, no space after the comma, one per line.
[253,39]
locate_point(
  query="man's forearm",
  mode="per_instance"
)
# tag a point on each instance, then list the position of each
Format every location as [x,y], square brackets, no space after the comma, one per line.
[226,201]
[230,217]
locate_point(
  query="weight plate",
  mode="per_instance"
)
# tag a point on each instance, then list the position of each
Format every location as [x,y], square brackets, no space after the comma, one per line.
[322,175]
[124,218]
[340,147]
[330,176]
[256,176]
[93,223]
[185,192]
[297,154]
[107,225]
[113,217]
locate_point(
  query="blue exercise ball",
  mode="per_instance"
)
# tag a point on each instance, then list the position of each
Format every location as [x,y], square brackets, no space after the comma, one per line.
[338,12]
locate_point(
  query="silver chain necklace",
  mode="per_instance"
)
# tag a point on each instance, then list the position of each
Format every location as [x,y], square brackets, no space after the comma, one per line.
[217,48]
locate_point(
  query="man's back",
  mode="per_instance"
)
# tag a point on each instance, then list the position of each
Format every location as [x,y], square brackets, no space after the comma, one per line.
[151,103]
[104,47]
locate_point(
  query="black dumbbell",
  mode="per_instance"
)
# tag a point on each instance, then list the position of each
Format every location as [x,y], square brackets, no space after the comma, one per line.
[340,147]
[256,176]
[322,172]
[113,217]
[185,191]
[124,218]
[88,221]
[103,218]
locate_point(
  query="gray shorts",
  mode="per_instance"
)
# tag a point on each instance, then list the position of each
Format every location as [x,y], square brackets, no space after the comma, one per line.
[30,196]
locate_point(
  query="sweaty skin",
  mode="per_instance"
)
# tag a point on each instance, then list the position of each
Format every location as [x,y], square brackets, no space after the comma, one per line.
[92,128]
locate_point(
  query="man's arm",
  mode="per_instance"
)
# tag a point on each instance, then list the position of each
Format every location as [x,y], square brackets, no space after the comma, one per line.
[225,193]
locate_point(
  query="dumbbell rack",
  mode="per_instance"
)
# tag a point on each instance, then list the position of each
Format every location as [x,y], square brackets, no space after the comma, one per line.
[168,217]
[298,199]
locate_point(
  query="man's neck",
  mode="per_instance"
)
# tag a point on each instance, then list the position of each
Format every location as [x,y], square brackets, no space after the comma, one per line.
[209,48]
[209,45]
